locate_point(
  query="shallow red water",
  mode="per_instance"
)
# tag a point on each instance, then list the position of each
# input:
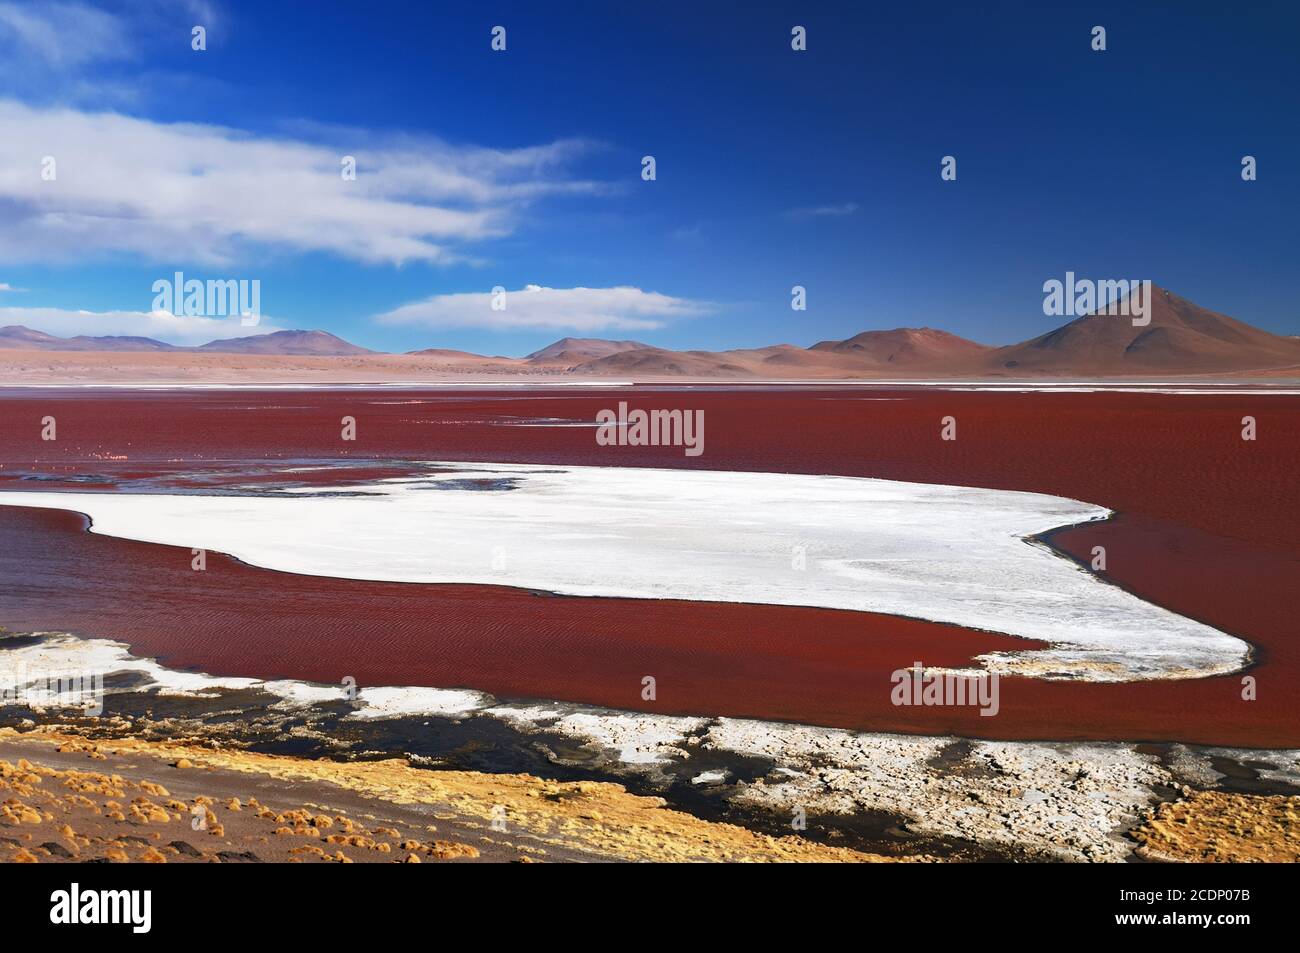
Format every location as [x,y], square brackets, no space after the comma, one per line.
[1209,528]
[239,620]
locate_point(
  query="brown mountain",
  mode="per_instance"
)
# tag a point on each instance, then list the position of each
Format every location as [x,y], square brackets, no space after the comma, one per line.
[117,342]
[906,347]
[315,343]
[579,350]
[17,337]
[1181,338]
[660,362]
[907,351]
[305,343]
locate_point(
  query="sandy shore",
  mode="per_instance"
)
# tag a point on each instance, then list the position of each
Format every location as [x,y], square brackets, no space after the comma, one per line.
[69,799]
[1211,826]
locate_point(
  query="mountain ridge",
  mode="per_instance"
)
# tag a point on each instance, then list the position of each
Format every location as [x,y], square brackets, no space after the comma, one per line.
[1180,338]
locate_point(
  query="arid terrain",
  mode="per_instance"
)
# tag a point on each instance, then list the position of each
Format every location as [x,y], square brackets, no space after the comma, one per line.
[68,799]
[1182,341]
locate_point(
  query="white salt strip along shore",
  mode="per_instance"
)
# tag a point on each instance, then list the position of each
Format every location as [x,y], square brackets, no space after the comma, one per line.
[955,555]
[62,658]
[1069,800]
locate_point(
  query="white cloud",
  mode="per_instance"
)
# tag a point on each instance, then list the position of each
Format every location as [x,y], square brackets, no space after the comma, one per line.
[580,309]
[62,35]
[213,195]
[824,211]
[73,52]
[5,286]
[173,329]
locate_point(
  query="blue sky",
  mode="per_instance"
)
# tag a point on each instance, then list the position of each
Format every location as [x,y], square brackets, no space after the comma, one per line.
[775,168]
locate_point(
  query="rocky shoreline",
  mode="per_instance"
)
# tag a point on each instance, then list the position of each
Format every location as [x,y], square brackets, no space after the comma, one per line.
[69,799]
[871,795]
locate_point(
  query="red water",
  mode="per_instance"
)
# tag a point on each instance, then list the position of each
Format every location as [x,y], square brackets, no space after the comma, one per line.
[1208,527]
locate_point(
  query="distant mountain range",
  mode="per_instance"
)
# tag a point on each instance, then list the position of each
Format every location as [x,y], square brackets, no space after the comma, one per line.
[1181,338]
[18,338]
[307,343]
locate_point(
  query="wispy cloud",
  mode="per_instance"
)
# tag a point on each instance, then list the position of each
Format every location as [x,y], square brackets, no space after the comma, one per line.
[70,52]
[824,211]
[161,325]
[214,195]
[5,286]
[580,309]
[78,53]
[62,35]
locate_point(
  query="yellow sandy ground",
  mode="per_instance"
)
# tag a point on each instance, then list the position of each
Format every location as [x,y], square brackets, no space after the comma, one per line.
[595,817]
[1218,827]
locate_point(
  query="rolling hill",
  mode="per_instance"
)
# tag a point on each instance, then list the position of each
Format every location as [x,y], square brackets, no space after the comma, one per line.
[310,343]
[1182,339]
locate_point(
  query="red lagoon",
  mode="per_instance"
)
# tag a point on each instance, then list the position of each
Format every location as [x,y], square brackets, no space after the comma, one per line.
[1207,526]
